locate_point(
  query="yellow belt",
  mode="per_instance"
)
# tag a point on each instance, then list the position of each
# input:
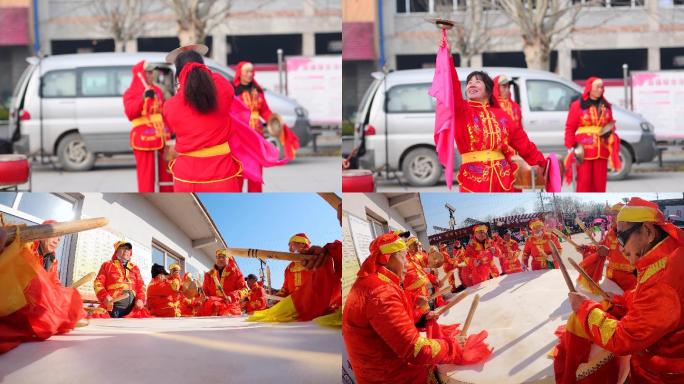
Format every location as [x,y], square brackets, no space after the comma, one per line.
[620,267]
[589,130]
[144,120]
[481,156]
[216,150]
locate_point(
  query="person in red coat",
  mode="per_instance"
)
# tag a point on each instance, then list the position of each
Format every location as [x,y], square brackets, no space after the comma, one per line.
[380,335]
[480,253]
[118,277]
[509,257]
[256,300]
[252,95]
[34,304]
[312,288]
[224,286]
[538,245]
[487,138]
[652,329]
[502,94]
[162,296]
[587,118]
[46,251]
[143,101]
[204,161]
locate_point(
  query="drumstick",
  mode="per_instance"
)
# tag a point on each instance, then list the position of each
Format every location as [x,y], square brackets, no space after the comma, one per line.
[440,293]
[564,271]
[331,198]
[591,281]
[46,231]
[564,237]
[586,231]
[264,254]
[142,79]
[471,313]
[123,296]
[83,280]
[219,287]
[446,277]
[268,279]
[455,300]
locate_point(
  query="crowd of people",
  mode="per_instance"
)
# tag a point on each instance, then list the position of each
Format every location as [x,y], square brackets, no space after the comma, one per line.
[36,305]
[389,321]
[209,136]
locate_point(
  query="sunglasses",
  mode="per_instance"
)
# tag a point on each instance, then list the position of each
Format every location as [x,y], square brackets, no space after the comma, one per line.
[623,236]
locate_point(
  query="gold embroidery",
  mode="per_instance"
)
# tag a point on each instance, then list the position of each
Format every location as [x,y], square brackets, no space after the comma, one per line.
[422,342]
[605,325]
[652,270]
[384,278]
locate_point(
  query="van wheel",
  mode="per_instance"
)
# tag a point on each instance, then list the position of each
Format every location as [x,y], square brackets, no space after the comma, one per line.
[73,154]
[626,160]
[421,167]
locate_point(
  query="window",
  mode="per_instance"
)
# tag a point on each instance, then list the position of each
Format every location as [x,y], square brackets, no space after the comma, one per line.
[377,226]
[105,81]
[411,98]
[413,6]
[547,96]
[162,256]
[59,84]
[196,274]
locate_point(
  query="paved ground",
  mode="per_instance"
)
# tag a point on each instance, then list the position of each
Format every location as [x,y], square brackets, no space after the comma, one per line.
[187,350]
[646,177]
[117,174]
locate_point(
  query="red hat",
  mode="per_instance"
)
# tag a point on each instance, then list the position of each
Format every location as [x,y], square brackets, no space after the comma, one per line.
[479,227]
[238,73]
[380,251]
[587,89]
[501,80]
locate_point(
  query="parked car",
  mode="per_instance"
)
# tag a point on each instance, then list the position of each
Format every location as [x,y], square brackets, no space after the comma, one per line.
[70,106]
[409,113]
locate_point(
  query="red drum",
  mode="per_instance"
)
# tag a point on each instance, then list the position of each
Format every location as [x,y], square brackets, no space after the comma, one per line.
[14,170]
[357,180]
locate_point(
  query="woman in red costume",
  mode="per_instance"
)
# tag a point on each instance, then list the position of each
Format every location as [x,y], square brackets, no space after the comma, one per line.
[249,92]
[199,116]
[587,118]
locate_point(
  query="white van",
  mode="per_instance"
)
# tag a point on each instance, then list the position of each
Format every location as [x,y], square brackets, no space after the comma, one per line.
[71,106]
[409,113]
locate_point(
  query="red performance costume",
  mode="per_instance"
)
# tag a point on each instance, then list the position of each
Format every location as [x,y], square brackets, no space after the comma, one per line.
[381,338]
[586,118]
[205,162]
[480,258]
[256,300]
[225,288]
[143,106]
[509,105]
[510,256]
[652,330]
[309,293]
[252,95]
[485,135]
[539,247]
[451,263]
[416,281]
[114,280]
[162,294]
[34,305]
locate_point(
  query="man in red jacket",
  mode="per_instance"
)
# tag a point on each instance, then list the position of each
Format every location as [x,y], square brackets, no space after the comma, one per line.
[118,277]
[143,105]
[224,286]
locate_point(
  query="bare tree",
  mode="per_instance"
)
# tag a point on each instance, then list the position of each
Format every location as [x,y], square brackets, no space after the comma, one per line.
[121,19]
[471,33]
[197,18]
[543,24]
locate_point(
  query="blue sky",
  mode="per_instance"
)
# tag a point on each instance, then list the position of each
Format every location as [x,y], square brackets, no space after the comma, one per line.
[479,205]
[268,220]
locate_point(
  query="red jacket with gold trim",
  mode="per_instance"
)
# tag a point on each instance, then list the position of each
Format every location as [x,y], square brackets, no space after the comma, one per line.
[113,279]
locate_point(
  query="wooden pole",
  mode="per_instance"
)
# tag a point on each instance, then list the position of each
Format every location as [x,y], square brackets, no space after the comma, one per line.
[586,231]
[591,281]
[471,313]
[83,280]
[440,293]
[264,254]
[455,300]
[564,237]
[446,277]
[331,198]
[564,271]
[46,231]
